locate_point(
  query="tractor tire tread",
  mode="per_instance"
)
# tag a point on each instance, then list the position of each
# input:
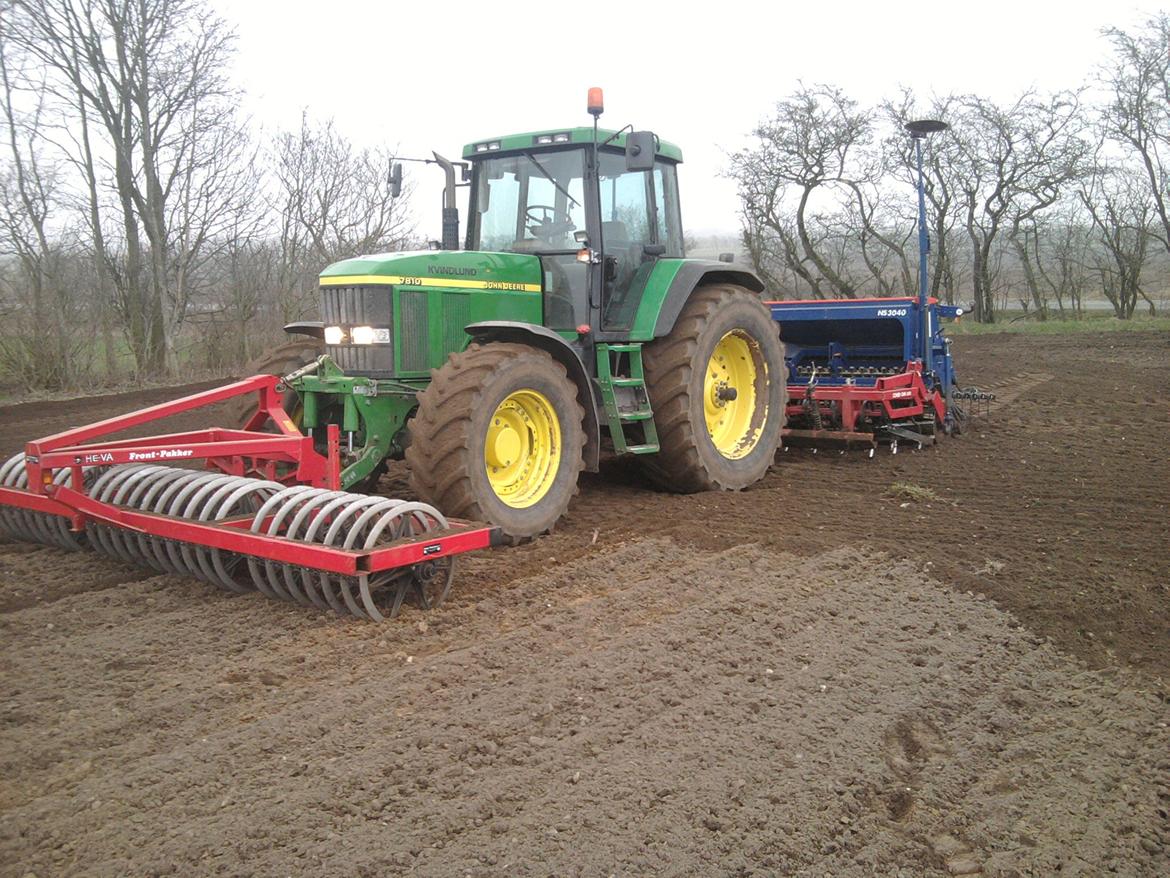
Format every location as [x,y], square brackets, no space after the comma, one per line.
[441,452]
[669,364]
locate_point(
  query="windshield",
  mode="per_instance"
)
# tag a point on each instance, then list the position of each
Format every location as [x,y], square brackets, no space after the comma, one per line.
[529,203]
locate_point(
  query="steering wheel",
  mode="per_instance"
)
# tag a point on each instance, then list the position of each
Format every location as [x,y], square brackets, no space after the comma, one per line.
[544,221]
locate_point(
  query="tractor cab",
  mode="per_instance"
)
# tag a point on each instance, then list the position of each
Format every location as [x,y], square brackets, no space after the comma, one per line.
[590,205]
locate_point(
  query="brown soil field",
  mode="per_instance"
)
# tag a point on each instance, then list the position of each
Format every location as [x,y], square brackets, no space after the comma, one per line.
[827,674]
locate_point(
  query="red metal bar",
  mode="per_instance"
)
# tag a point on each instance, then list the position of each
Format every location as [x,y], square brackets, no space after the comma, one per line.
[35,502]
[460,537]
[264,384]
[333,455]
[182,447]
[226,448]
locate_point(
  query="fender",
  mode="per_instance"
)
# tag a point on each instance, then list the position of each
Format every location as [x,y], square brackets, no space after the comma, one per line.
[693,273]
[563,352]
[313,328]
[669,286]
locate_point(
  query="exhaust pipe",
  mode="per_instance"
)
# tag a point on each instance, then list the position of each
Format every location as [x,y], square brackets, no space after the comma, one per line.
[450,211]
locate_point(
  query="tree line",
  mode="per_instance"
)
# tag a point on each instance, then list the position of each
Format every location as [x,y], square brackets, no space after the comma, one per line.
[148,229]
[145,227]
[1040,202]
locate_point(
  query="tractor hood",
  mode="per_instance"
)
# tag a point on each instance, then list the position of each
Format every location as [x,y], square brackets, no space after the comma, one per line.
[449,269]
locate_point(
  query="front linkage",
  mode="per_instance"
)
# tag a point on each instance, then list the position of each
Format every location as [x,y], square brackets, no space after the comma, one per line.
[372,415]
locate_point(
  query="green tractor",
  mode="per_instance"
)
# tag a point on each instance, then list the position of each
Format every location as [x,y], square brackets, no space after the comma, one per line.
[571,315]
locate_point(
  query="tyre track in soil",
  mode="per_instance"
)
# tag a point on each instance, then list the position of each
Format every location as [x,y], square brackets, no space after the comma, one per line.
[179,710]
[844,722]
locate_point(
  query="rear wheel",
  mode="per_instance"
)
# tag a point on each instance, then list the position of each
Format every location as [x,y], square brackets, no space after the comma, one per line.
[498,437]
[717,383]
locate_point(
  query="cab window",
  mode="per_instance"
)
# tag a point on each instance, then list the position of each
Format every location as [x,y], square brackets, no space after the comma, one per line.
[529,203]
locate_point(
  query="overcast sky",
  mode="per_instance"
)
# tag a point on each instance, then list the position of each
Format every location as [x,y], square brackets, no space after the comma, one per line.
[423,76]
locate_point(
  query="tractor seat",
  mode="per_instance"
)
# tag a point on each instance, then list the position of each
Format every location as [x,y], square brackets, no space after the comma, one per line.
[615,236]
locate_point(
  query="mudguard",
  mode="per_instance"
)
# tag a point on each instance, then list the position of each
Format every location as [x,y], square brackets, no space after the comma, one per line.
[669,286]
[313,328]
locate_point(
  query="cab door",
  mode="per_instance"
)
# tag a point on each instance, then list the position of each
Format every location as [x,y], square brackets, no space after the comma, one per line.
[639,223]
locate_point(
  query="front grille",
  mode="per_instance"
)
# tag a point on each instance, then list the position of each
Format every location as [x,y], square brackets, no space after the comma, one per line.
[413,329]
[360,306]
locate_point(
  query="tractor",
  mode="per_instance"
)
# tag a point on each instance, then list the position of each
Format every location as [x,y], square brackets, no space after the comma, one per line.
[571,321]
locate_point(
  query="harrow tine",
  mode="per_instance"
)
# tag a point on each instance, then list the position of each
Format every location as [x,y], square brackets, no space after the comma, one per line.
[158,484]
[352,503]
[354,609]
[321,503]
[274,506]
[228,506]
[331,539]
[399,519]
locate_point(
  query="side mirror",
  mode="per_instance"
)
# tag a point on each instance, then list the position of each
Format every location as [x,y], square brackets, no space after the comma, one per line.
[640,149]
[395,179]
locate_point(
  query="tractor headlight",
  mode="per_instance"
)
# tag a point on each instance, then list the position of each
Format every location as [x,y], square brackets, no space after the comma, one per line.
[334,334]
[369,335]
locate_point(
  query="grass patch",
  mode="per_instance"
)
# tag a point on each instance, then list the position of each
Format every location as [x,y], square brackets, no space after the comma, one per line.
[913,493]
[1014,321]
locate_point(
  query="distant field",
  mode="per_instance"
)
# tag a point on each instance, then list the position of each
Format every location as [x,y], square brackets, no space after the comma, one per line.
[1016,321]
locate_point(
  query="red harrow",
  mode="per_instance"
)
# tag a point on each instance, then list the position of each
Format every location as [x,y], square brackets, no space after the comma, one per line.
[265,514]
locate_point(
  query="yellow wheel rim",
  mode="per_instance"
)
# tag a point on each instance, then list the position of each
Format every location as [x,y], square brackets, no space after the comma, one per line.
[522,449]
[734,404]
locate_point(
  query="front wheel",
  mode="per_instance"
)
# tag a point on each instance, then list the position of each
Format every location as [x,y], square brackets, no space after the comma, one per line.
[499,437]
[718,386]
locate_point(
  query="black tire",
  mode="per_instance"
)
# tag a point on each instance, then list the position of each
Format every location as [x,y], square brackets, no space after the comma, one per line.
[675,368]
[450,429]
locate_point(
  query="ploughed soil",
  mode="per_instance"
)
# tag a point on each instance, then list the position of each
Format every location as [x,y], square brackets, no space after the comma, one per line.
[943,662]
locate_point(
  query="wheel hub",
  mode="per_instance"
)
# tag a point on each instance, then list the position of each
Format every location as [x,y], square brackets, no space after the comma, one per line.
[734,409]
[522,448]
[504,445]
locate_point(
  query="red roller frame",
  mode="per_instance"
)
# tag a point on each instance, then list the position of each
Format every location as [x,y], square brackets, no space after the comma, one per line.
[236,452]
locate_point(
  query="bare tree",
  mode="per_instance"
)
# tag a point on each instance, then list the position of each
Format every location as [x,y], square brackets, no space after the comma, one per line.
[1010,164]
[40,348]
[1123,212]
[1137,114]
[333,201]
[804,157]
[150,75]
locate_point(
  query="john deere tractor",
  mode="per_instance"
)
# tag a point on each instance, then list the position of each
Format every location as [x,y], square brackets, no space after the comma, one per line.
[571,317]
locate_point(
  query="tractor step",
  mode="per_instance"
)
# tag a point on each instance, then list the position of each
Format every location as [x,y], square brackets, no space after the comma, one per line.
[620,373]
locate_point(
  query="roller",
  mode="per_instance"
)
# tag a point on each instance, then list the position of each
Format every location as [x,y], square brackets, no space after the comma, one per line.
[301,513]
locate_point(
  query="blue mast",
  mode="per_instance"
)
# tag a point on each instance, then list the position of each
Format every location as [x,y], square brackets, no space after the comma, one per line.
[919,129]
